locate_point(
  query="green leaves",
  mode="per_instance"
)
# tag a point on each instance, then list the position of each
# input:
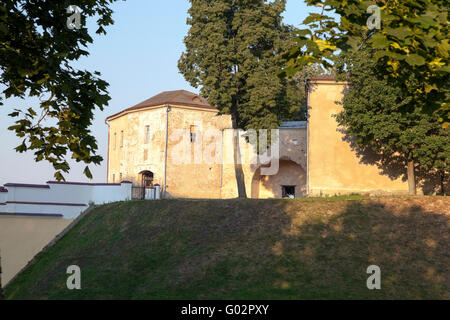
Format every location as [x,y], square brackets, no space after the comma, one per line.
[415,60]
[87,172]
[380,41]
[401,33]
[413,40]
[35,56]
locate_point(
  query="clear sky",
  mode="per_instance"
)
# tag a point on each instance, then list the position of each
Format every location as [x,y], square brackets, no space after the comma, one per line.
[138,58]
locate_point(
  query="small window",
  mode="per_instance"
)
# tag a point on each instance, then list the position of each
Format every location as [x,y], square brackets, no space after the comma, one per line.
[114,178]
[145,154]
[115,140]
[121,139]
[288,191]
[193,133]
[147,134]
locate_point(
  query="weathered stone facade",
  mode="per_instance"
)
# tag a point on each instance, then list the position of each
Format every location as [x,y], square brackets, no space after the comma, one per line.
[203,168]
[189,150]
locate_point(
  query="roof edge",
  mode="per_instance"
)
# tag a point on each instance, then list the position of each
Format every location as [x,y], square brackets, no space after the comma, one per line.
[172,104]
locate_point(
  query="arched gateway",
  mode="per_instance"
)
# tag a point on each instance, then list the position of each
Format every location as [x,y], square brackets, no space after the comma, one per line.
[289,182]
[146,178]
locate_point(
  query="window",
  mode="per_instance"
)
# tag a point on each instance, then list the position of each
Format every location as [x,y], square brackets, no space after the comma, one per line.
[114,178]
[193,133]
[145,154]
[121,139]
[288,191]
[120,177]
[115,140]
[147,134]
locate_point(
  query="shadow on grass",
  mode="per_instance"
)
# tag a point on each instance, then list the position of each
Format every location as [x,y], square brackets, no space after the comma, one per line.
[328,258]
[249,249]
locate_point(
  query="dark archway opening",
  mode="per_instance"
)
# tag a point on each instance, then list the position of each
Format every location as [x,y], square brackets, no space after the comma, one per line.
[146,178]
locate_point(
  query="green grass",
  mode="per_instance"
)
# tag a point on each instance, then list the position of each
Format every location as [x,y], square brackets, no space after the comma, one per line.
[250,249]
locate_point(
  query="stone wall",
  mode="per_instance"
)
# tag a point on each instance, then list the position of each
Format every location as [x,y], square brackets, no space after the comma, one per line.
[203,168]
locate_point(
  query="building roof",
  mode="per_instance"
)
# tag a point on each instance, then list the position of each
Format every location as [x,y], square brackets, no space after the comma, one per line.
[293,125]
[177,97]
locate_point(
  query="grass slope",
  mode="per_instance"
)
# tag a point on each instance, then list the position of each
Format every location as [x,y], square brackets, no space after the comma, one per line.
[250,249]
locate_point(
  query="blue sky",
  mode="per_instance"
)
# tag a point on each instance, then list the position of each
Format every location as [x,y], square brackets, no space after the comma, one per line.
[138,58]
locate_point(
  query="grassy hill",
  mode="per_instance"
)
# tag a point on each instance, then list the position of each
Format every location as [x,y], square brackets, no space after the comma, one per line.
[250,249]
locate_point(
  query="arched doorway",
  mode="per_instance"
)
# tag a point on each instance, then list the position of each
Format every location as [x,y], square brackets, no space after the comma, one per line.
[289,182]
[146,178]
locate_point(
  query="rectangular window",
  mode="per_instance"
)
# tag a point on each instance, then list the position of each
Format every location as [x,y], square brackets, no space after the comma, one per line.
[288,191]
[147,134]
[193,132]
[114,178]
[121,139]
[145,155]
[115,140]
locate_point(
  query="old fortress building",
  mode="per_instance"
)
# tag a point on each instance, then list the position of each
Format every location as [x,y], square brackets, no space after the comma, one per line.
[177,140]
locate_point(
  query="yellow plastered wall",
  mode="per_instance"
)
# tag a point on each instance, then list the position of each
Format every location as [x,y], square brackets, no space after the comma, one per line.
[22,238]
[334,168]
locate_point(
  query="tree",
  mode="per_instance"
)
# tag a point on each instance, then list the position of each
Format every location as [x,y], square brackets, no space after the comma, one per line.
[401,143]
[296,91]
[233,51]
[412,40]
[36,52]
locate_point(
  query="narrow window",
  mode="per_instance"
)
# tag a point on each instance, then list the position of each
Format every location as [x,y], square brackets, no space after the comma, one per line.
[114,178]
[193,133]
[147,134]
[120,177]
[288,191]
[121,139]
[115,140]
[145,154]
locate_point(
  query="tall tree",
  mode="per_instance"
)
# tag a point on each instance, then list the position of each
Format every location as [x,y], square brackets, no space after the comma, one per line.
[412,39]
[233,52]
[401,143]
[296,92]
[37,48]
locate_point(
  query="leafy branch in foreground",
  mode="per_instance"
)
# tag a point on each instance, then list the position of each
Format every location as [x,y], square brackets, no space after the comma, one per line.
[36,52]
[412,41]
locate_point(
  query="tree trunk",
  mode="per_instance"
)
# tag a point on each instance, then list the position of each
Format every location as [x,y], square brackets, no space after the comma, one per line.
[239,172]
[442,183]
[411,178]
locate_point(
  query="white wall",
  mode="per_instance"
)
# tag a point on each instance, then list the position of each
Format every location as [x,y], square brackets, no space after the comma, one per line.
[67,199]
[3,197]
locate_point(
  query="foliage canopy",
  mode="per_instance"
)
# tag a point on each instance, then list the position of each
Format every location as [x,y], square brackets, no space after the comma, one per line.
[36,52]
[413,40]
